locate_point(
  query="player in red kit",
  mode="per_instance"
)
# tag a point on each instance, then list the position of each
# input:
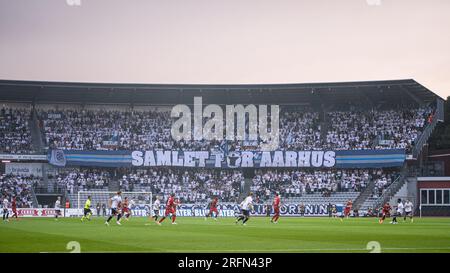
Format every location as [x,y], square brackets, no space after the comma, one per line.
[174,213]
[276,209]
[386,212]
[347,209]
[126,209]
[14,208]
[170,209]
[213,208]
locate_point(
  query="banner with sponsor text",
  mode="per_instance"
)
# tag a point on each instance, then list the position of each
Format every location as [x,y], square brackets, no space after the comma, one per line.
[192,210]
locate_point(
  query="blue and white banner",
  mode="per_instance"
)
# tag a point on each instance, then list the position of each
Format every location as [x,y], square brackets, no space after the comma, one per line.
[233,159]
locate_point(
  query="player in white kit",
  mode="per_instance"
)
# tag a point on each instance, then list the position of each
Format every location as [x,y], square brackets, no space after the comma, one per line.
[399,211]
[115,209]
[246,206]
[155,208]
[409,210]
[5,209]
[57,208]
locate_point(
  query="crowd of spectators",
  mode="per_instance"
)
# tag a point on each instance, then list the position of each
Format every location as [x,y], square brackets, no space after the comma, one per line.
[198,185]
[382,183]
[296,183]
[19,187]
[356,130]
[190,186]
[299,130]
[74,180]
[14,131]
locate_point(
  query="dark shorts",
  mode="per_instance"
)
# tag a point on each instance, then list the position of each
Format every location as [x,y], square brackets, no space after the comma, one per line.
[86,211]
[5,211]
[408,213]
[114,212]
[156,212]
[246,212]
[58,211]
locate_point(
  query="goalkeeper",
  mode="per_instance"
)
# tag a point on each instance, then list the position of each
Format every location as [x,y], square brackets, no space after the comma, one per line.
[87,209]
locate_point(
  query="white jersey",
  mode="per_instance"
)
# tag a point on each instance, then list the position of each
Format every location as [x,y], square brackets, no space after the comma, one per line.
[408,206]
[156,204]
[400,208]
[5,203]
[57,204]
[115,201]
[247,204]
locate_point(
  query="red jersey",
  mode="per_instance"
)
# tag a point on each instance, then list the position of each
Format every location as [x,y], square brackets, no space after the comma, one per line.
[276,201]
[349,204]
[170,202]
[13,205]
[175,204]
[214,203]
[125,204]
[386,208]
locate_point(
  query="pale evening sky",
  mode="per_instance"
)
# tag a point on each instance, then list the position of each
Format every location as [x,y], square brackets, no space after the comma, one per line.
[226,41]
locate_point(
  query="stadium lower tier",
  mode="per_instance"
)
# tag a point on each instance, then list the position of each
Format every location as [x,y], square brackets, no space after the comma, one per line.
[198,187]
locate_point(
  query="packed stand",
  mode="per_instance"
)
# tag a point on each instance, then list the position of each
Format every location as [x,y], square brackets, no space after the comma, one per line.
[15,135]
[382,182]
[375,129]
[19,187]
[299,130]
[296,183]
[191,186]
[74,180]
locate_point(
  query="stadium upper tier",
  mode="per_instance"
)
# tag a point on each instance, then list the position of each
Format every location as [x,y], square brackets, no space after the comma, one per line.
[83,116]
[81,129]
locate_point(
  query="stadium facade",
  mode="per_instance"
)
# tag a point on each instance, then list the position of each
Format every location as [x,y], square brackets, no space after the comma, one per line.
[363,141]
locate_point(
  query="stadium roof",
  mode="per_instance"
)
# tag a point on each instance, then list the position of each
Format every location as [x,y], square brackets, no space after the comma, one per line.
[373,93]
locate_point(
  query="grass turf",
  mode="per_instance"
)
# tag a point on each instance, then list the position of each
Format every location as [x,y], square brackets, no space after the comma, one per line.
[197,235]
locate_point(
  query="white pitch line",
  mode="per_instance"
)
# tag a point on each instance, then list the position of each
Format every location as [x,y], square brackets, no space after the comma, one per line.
[276,250]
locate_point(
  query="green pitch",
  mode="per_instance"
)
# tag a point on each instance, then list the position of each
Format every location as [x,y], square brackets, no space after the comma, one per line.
[198,235]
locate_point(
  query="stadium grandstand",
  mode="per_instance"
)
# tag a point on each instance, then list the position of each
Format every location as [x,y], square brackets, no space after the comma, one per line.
[59,139]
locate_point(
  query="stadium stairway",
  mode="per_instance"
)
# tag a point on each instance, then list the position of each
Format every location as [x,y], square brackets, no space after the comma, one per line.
[389,192]
[36,135]
[246,189]
[34,198]
[423,138]
[114,184]
[364,196]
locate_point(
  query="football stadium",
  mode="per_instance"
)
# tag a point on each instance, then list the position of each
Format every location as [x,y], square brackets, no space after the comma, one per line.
[162,128]
[345,151]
